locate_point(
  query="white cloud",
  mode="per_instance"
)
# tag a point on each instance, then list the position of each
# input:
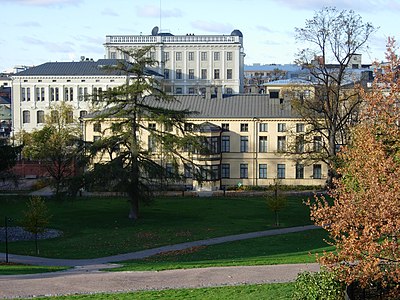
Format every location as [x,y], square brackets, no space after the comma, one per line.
[212,26]
[29,24]
[264,28]
[109,12]
[43,2]
[356,5]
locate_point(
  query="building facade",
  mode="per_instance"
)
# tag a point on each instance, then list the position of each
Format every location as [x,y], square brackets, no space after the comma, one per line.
[189,62]
[37,90]
[248,137]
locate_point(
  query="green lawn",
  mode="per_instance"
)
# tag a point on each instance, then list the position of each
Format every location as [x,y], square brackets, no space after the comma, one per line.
[278,291]
[15,269]
[281,249]
[96,227]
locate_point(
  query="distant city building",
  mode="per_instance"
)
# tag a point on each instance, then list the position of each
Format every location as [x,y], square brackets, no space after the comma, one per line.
[189,62]
[37,90]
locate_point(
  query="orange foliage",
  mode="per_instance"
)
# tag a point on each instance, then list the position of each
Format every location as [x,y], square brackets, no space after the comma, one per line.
[364,220]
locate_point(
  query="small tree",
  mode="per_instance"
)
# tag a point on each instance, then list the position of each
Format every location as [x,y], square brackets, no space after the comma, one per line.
[36,218]
[364,220]
[57,145]
[276,202]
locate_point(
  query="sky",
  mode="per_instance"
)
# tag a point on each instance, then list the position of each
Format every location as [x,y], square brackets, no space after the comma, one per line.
[39,31]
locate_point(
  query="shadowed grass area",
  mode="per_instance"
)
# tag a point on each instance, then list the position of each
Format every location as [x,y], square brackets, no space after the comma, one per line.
[97,227]
[17,269]
[281,249]
[277,291]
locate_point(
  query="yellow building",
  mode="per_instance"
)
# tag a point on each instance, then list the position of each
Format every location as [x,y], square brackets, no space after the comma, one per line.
[248,136]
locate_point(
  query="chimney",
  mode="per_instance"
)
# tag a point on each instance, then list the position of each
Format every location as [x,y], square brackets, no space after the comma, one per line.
[208,92]
[219,92]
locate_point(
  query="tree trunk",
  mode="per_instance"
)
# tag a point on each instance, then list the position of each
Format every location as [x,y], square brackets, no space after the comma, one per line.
[134,210]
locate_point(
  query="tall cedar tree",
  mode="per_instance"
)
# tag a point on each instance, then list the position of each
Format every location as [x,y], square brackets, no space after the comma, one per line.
[364,220]
[56,145]
[122,160]
[334,37]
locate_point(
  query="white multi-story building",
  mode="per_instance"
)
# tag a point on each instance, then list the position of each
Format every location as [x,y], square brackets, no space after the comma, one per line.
[189,62]
[37,90]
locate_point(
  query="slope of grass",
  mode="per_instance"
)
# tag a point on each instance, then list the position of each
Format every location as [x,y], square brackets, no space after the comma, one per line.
[96,227]
[16,269]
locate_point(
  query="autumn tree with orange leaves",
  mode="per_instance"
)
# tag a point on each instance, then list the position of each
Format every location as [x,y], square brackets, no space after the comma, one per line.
[364,219]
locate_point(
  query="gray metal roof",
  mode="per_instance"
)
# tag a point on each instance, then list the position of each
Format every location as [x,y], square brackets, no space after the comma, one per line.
[231,106]
[79,68]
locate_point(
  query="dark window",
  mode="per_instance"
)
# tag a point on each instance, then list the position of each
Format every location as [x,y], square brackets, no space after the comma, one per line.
[281,171]
[317,174]
[225,171]
[225,126]
[281,143]
[244,144]
[244,127]
[263,144]
[299,171]
[262,168]
[244,171]
[226,144]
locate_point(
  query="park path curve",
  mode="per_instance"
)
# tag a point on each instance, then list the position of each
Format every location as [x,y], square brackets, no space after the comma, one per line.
[86,278]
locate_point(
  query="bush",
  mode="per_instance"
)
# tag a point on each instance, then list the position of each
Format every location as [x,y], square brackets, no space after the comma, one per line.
[321,285]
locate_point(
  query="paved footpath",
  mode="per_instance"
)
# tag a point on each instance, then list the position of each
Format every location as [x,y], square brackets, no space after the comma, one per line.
[85,276]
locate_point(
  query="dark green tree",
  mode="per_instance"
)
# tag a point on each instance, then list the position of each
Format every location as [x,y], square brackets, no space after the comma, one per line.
[276,201]
[121,159]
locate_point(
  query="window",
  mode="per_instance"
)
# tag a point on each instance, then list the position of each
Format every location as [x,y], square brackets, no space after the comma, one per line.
[23,94]
[178,73]
[317,143]
[151,143]
[28,94]
[52,97]
[225,143]
[42,93]
[244,171]
[263,127]
[178,90]
[263,144]
[216,55]
[166,56]
[40,116]
[169,170]
[69,117]
[225,170]
[281,127]
[191,91]
[178,56]
[225,126]
[229,91]
[281,143]
[228,73]
[97,127]
[213,144]
[300,144]
[152,126]
[281,171]
[57,94]
[216,73]
[244,144]
[168,127]
[229,55]
[203,56]
[54,116]
[274,94]
[300,127]
[187,171]
[244,127]
[191,56]
[191,73]
[299,171]
[166,73]
[37,91]
[26,116]
[203,73]
[188,126]
[82,94]
[82,113]
[96,138]
[317,174]
[262,171]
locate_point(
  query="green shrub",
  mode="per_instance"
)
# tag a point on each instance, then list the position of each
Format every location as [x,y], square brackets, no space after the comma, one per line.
[321,285]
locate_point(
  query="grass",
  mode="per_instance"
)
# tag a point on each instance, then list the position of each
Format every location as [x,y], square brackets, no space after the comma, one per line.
[281,249]
[96,227]
[277,291]
[16,269]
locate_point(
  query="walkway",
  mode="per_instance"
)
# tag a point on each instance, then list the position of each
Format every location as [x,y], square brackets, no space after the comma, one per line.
[85,277]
